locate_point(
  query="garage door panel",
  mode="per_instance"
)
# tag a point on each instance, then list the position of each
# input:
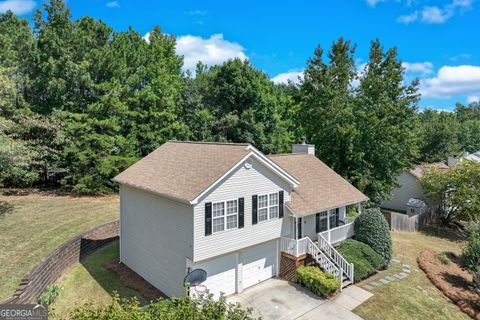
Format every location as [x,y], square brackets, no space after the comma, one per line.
[258,264]
[220,275]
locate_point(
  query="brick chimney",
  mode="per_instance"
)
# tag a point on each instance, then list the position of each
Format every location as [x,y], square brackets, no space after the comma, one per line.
[303,147]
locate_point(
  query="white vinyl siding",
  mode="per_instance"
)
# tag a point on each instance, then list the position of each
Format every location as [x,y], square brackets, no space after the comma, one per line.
[156,238]
[242,182]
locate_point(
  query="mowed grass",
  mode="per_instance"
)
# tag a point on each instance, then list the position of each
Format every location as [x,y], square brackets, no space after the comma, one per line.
[32,225]
[90,282]
[413,297]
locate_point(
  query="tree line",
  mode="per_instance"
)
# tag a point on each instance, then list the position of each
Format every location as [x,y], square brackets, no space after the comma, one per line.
[80,102]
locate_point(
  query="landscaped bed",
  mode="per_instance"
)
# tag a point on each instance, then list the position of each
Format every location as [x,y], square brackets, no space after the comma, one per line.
[447,275]
[414,297]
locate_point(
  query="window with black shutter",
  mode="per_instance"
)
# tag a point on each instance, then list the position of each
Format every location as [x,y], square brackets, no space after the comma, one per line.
[241,212]
[254,209]
[208,218]
[280,202]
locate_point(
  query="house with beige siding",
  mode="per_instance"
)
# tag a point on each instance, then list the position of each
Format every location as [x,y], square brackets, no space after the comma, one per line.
[232,212]
[409,187]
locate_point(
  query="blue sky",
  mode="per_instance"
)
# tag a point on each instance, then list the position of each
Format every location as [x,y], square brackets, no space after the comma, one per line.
[439,41]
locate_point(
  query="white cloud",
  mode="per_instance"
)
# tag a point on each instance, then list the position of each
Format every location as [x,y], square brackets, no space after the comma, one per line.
[452,80]
[418,67]
[409,18]
[212,51]
[471,99]
[17,6]
[112,4]
[293,76]
[373,3]
[435,14]
[196,12]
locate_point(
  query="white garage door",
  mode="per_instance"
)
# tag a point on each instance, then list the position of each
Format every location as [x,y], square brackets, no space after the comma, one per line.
[258,263]
[220,274]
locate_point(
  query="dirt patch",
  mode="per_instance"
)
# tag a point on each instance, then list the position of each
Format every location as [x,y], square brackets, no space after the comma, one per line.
[452,281]
[131,279]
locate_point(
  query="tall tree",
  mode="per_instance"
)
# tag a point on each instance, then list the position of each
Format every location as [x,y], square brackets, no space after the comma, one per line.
[247,106]
[326,110]
[385,110]
[438,135]
[366,134]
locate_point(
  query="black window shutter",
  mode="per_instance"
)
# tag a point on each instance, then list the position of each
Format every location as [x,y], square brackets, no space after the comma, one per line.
[208,218]
[241,212]
[317,223]
[254,210]
[280,207]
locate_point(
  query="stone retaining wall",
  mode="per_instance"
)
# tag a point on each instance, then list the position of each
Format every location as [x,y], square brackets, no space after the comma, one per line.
[61,259]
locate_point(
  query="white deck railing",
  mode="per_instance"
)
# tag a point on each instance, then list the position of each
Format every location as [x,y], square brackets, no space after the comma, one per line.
[340,233]
[306,245]
[335,256]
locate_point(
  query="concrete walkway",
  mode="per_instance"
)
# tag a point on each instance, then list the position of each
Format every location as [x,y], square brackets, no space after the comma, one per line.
[280,299]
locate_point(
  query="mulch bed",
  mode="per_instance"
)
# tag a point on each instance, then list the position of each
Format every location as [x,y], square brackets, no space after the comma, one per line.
[452,281]
[131,279]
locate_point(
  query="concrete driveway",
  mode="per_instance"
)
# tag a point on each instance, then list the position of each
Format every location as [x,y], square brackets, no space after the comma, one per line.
[280,299]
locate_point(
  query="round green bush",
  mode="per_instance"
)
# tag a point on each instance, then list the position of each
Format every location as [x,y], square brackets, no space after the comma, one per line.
[371,228]
[365,259]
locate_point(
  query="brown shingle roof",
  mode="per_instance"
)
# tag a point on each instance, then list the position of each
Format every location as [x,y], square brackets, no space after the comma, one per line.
[320,187]
[183,170]
[420,169]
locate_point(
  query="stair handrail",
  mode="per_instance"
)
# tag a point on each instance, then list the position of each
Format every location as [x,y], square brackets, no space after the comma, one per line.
[336,257]
[321,258]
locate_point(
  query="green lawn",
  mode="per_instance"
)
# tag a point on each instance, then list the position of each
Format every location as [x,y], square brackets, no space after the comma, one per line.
[413,297]
[89,281]
[33,225]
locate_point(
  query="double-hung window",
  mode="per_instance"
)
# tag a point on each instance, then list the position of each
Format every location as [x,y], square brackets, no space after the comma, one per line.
[267,206]
[224,215]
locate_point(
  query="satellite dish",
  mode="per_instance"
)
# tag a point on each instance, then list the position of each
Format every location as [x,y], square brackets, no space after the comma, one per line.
[195,277]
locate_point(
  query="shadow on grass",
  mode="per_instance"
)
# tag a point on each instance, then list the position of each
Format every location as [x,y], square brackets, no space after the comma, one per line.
[108,280]
[5,207]
[444,232]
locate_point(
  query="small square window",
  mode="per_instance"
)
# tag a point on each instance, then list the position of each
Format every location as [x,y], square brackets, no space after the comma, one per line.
[263,214]
[273,212]
[218,209]
[232,221]
[273,199]
[232,207]
[218,224]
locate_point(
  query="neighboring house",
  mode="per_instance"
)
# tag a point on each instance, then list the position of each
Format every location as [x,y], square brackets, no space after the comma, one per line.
[232,211]
[467,156]
[409,187]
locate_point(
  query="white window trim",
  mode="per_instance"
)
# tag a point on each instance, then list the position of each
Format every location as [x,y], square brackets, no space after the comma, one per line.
[225,215]
[268,207]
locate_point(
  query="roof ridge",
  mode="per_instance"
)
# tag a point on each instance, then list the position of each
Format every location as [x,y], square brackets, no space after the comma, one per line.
[212,143]
[289,154]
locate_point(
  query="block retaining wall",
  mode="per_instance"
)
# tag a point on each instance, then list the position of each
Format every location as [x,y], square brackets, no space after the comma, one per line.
[60,260]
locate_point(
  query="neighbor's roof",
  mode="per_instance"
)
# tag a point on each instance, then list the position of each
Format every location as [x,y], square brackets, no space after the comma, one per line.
[320,187]
[183,170]
[420,169]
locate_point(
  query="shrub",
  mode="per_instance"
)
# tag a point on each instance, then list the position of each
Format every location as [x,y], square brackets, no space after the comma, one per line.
[371,228]
[470,258]
[317,281]
[49,295]
[201,308]
[364,258]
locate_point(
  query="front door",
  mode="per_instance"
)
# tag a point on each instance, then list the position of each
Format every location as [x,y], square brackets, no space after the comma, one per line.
[299,228]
